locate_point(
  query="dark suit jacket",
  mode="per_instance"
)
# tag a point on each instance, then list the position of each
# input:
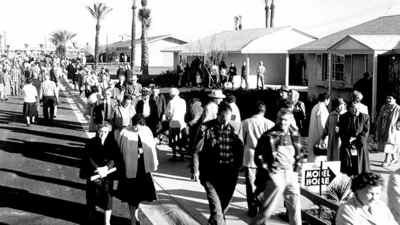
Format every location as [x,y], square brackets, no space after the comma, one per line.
[153,120]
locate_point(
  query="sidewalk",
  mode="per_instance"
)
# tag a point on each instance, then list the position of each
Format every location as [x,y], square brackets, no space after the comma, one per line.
[182,201]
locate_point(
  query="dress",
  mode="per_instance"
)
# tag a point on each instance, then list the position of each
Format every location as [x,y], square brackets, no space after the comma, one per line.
[354,154]
[319,115]
[98,192]
[388,136]
[333,136]
[138,189]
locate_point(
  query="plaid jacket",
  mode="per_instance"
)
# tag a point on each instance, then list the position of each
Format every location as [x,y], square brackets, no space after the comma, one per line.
[219,148]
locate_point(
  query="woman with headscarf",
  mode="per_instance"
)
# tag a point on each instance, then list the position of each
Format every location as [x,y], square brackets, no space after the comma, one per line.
[138,159]
[388,131]
[353,132]
[99,159]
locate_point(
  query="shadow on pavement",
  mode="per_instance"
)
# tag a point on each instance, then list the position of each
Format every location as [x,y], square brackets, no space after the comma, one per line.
[52,180]
[12,116]
[32,131]
[53,153]
[56,208]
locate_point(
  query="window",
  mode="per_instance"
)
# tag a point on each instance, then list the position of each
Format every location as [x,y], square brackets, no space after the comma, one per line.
[338,67]
[322,60]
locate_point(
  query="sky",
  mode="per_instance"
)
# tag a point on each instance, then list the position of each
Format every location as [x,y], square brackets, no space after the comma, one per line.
[31,21]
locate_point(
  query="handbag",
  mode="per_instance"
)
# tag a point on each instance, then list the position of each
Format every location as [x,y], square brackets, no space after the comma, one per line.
[319,150]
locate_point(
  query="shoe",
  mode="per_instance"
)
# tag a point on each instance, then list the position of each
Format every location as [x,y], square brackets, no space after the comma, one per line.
[28,124]
[194,178]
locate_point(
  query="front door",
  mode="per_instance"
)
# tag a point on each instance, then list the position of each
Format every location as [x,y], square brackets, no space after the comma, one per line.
[388,78]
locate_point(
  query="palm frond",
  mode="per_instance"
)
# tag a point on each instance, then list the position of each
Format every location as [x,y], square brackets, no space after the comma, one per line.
[340,189]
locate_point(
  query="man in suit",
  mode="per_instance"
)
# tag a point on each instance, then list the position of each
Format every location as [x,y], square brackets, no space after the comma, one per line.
[104,111]
[148,108]
[161,104]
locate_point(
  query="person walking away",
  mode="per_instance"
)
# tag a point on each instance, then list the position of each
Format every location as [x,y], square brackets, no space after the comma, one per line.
[365,207]
[260,74]
[2,85]
[332,130]
[48,94]
[250,131]
[176,110]
[37,84]
[319,115]
[7,83]
[15,81]
[244,76]
[299,111]
[30,97]
[353,132]
[148,109]
[138,159]
[180,71]
[388,131]
[161,104]
[220,158]
[194,122]
[277,157]
[100,156]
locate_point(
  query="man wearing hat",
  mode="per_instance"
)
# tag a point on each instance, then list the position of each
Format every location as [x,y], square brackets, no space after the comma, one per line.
[281,101]
[148,108]
[176,110]
[211,109]
[132,86]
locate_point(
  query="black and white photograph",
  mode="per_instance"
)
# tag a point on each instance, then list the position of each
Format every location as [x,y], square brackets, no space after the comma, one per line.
[212,112]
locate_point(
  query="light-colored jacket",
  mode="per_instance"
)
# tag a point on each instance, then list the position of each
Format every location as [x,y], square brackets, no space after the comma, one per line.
[128,144]
[386,127]
[249,133]
[176,110]
[319,116]
[353,213]
[394,194]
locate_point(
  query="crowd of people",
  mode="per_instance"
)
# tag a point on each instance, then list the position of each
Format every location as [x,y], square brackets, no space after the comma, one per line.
[216,74]
[129,121]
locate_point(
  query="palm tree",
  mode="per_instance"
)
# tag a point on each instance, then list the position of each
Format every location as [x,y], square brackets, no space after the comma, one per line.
[133,34]
[266,13]
[144,16]
[272,14]
[98,11]
[60,39]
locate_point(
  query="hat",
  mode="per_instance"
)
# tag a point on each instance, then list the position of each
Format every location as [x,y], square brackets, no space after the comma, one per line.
[174,91]
[146,91]
[217,93]
[284,88]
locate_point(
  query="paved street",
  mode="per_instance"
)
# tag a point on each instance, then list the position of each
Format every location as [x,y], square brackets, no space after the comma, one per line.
[40,183]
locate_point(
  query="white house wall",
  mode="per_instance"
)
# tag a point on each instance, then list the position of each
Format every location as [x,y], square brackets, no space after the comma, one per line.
[274,64]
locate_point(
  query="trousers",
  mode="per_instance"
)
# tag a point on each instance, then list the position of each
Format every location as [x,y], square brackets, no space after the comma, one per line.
[283,186]
[219,191]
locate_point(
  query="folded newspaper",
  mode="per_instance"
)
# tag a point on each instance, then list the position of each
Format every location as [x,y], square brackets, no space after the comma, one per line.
[97,176]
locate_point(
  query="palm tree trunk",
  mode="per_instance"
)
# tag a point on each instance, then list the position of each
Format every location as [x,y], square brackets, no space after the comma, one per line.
[96,44]
[272,13]
[133,35]
[266,14]
[145,51]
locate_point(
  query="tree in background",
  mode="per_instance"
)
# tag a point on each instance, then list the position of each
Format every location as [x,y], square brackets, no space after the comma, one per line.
[133,34]
[98,11]
[145,18]
[60,39]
